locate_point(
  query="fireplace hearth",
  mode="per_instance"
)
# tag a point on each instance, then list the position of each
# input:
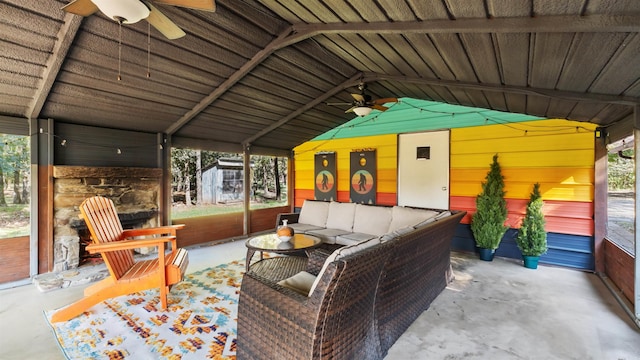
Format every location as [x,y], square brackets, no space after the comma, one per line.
[134,191]
[127,220]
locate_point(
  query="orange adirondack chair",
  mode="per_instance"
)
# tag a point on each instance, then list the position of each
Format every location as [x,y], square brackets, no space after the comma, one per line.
[116,247]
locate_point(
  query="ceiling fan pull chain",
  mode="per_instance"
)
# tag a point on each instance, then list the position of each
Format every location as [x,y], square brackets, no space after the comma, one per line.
[119,48]
[148,49]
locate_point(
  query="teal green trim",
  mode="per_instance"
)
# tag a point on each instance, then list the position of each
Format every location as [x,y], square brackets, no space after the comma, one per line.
[413,115]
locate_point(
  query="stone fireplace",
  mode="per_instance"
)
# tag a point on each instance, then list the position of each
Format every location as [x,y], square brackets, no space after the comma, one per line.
[134,191]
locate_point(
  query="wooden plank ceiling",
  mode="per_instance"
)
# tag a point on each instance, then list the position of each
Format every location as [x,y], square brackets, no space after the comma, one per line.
[259,72]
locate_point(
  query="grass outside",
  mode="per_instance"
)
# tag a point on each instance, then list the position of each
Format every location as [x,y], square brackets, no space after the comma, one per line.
[182,212]
[14,220]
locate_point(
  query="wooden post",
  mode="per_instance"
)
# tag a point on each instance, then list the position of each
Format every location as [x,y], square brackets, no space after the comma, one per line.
[164,162]
[44,136]
[35,199]
[246,158]
[636,150]
[291,181]
[600,200]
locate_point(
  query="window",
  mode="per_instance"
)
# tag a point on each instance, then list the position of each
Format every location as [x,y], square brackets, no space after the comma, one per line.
[16,181]
[209,183]
[269,181]
[621,179]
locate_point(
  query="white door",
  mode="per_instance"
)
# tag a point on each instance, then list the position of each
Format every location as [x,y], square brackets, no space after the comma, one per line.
[423,170]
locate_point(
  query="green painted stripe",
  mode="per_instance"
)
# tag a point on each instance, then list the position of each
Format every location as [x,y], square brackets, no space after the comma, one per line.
[411,115]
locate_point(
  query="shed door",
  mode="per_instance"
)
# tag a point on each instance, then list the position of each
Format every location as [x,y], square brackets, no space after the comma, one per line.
[423,169]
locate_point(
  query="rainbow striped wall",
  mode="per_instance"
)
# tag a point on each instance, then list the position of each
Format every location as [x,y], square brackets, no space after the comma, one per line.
[559,154]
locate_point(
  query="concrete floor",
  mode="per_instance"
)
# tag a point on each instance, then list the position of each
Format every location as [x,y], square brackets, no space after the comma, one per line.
[493,310]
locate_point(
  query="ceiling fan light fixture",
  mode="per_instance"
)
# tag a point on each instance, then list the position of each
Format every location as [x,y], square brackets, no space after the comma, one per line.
[362,111]
[125,11]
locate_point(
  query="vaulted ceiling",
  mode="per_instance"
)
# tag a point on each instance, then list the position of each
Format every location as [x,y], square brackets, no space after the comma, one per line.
[259,72]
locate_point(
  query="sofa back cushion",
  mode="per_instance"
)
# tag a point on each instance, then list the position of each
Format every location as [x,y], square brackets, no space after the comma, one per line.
[314,213]
[340,253]
[402,217]
[374,220]
[341,216]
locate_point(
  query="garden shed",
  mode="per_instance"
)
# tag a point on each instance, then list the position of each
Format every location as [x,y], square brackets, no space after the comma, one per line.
[222,182]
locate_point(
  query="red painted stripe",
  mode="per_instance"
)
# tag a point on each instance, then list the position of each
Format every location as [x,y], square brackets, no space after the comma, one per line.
[564,217]
[382,198]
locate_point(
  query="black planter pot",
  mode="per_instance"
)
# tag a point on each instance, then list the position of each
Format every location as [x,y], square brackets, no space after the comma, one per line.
[486,254]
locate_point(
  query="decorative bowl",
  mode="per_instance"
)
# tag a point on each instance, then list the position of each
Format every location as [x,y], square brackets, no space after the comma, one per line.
[284,238]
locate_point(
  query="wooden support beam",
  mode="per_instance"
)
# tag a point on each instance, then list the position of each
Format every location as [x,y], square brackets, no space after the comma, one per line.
[539,24]
[547,93]
[256,60]
[66,35]
[349,82]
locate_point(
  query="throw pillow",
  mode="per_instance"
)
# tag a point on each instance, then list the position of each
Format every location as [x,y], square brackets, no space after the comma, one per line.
[300,282]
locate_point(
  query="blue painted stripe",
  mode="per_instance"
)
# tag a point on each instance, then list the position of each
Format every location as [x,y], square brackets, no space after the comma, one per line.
[572,251]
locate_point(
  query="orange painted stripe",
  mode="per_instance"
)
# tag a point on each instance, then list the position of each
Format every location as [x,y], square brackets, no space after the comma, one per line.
[565,217]
[382,198]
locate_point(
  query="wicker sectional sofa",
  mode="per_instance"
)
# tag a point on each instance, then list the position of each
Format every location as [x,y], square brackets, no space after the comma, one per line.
[351,303]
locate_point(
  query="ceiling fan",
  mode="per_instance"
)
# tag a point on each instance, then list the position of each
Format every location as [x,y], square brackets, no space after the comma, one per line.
[132,11]
[362,104]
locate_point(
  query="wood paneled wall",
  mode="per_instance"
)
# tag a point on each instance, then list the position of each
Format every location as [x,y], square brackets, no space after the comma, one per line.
[619,266]
[200,230]
[15,258]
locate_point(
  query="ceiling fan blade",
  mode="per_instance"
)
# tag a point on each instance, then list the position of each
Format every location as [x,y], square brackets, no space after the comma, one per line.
[385,100]
[379,107]
[207,5]
[163,24]
[81,7]
[338,103]
[358,97]
[350,109]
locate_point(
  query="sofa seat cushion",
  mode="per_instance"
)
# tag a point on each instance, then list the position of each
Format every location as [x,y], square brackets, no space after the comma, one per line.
[300,228]
[403,216]
[371,219]
[300,282]
[353,238]
[327,235]
[314,213]
[341,216]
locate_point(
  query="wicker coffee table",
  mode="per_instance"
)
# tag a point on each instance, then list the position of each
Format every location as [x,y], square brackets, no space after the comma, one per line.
[271,243]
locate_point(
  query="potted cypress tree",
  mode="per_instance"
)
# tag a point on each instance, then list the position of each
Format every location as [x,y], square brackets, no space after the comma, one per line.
[487,224]
[532,238]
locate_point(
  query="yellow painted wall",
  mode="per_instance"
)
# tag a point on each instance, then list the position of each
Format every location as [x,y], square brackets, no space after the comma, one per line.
[557,153]
[386,152]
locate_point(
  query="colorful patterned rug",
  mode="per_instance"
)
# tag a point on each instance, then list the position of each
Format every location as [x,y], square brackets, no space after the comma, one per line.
[200,322]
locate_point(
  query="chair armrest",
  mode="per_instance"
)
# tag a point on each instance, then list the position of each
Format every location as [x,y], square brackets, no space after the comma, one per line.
[291,218]
[128,244]
[316,261]
[162,230]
